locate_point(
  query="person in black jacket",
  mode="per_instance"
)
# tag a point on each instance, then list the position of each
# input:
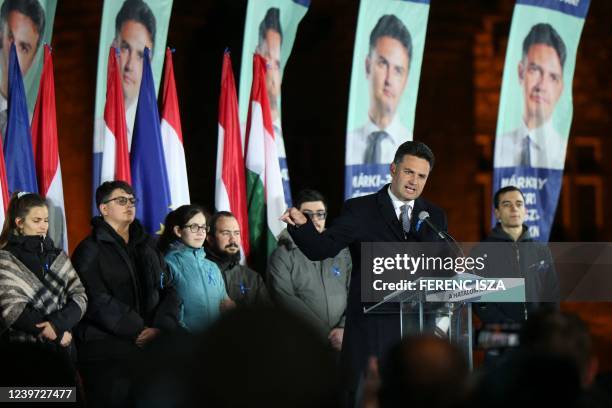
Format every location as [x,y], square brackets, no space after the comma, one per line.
[512,253]
[131,297]
[41,298]
[244,285]
[516,255]
[372,218]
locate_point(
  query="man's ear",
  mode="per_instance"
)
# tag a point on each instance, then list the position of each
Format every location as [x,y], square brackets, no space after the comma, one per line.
[521,71]
[368,63]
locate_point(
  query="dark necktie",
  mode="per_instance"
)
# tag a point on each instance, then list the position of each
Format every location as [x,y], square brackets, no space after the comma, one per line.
[405,218]
[373,151]
[526,152]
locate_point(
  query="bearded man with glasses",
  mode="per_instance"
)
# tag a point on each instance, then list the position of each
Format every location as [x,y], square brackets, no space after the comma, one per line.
[244,285]
[314,290]
[132,299]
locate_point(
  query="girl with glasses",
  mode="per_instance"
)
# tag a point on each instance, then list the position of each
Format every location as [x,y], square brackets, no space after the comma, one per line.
[197,279]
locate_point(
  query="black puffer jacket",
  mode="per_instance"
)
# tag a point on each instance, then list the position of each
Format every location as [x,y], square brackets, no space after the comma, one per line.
[128,288]
[526,259]
[35,252]
[38,253]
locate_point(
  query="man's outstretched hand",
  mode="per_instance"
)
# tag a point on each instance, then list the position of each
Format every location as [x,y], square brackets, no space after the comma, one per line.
[294,217]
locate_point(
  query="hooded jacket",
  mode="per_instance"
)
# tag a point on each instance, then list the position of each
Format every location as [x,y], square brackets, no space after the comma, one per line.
[314,290]
[128,287]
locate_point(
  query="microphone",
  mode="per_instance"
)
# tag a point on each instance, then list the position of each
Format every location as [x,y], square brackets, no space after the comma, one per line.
[424,217]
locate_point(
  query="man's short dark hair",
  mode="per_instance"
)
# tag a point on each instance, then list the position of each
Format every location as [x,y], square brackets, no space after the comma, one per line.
[138,11]
[418,149]
[505,190]
[271,21]
[29,8]
[391,26]
[104,191]
[308,195]
[212,221]
[544,33]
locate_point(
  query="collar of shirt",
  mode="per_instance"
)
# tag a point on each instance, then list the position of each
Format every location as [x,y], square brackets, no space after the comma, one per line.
[397,204]
[3,103]
[394,130]
[540,136]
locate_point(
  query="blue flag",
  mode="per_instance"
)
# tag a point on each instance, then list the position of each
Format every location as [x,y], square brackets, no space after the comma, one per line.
[18,155]
[149,175]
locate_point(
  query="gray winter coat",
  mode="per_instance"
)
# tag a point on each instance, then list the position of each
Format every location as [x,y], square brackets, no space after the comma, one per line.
[315,290]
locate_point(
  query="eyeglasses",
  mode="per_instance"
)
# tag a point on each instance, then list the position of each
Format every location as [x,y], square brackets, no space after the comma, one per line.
[122,200]
[320,215]
[195,228]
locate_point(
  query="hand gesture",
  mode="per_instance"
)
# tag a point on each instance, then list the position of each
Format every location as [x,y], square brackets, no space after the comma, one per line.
[47,332]
[294,217]
[335,338]
[66,339]
[226,305]
[145,336]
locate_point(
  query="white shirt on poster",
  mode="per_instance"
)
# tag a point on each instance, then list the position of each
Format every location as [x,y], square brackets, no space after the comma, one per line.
[546,147]
[357,141]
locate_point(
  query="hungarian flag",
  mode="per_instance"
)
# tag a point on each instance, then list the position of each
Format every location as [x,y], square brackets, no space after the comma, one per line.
[46,153]
[115,155]
[230,185]
[18,155]
[265,198]
[172,138]
[148,165]
[4,195]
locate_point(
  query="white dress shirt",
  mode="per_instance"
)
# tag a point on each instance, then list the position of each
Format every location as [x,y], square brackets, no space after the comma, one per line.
[397,205]
[357,141]
[546,147]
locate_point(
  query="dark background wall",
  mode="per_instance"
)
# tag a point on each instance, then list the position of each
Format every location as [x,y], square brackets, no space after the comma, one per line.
[456,109]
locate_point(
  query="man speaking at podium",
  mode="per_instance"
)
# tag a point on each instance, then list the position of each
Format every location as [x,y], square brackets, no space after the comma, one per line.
[390,215]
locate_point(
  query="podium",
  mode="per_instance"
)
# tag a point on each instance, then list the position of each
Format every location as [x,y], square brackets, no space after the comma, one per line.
[446,314]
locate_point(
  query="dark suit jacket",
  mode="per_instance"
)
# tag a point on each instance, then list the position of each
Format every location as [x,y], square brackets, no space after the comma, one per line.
[369,218]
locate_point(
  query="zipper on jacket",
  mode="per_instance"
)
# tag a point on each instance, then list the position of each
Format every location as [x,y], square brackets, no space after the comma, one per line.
[44,267]
[518,263]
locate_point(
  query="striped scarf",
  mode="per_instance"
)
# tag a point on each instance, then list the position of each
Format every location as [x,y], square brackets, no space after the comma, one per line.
[20,287]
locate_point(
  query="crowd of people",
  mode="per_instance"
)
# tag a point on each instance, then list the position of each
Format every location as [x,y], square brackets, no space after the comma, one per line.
[125,289]
[180,320]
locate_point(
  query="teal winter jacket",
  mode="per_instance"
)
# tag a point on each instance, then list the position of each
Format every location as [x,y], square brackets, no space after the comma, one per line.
[198,282]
